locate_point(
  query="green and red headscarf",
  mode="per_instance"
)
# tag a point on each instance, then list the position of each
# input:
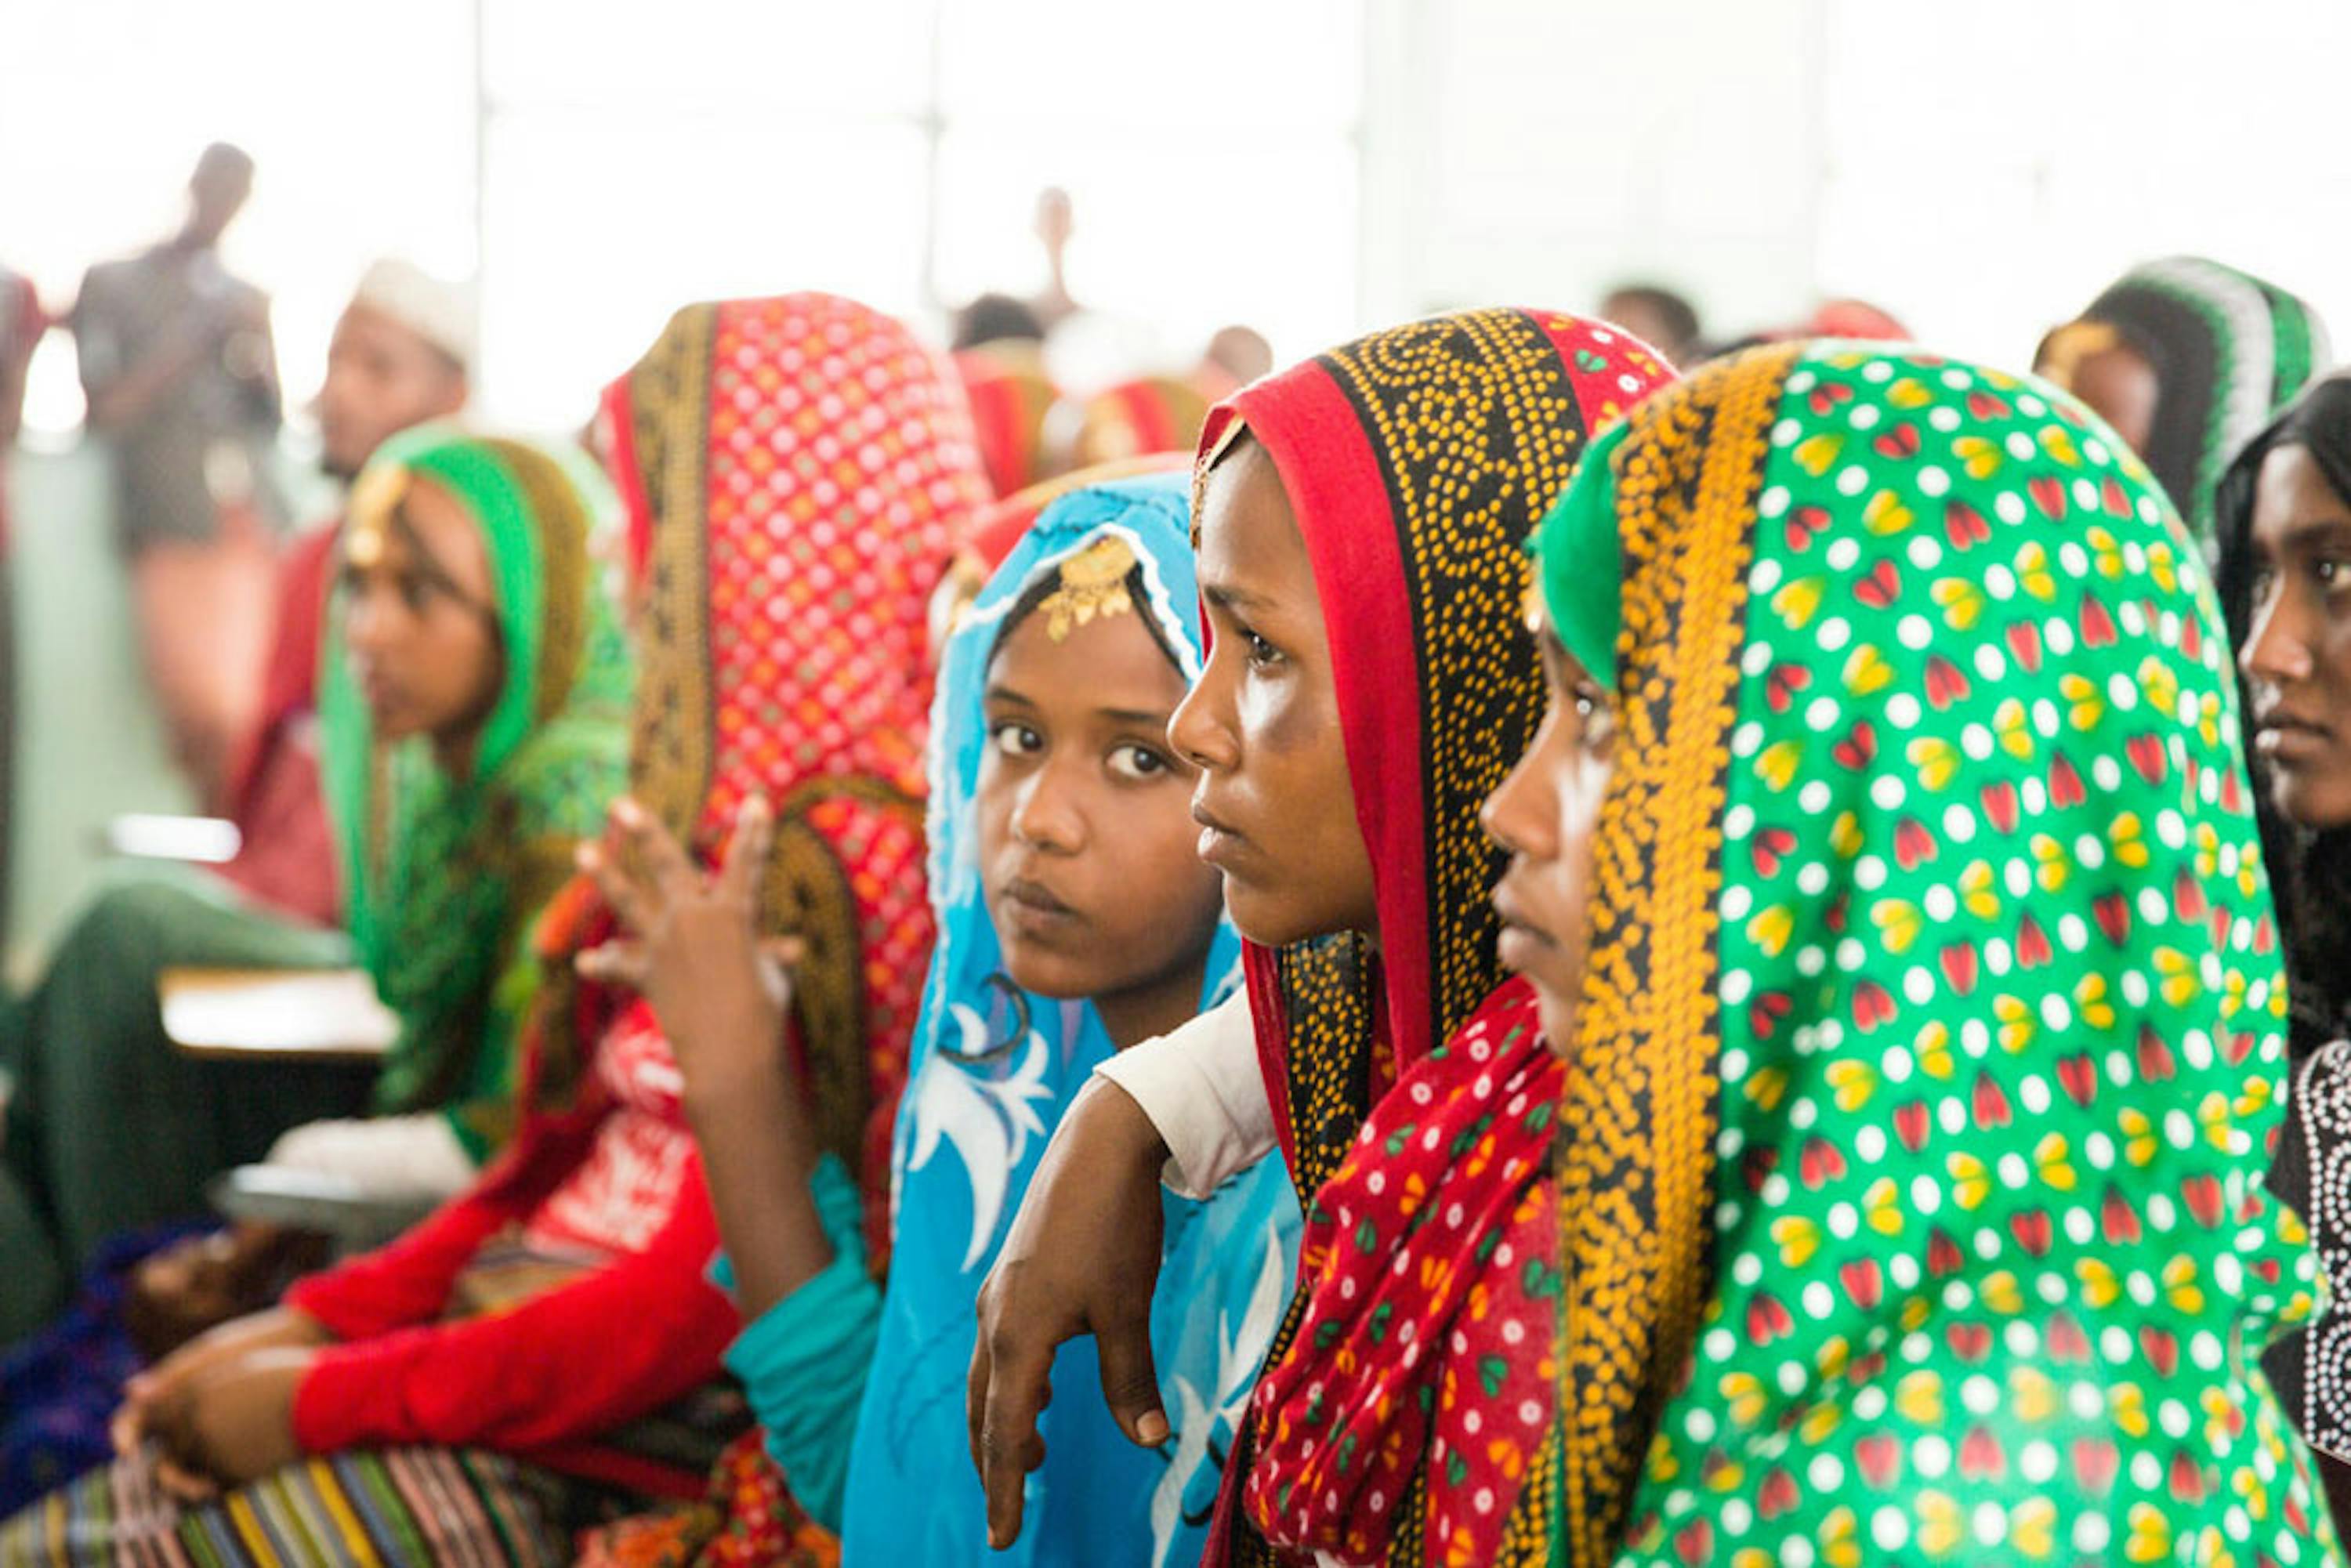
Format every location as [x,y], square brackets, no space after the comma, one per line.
[1931,1051]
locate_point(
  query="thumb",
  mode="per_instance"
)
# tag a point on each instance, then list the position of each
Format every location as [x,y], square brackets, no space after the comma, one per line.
[1130,1381]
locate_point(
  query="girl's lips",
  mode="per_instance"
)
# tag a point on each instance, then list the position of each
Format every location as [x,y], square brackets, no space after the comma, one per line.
[1219,844]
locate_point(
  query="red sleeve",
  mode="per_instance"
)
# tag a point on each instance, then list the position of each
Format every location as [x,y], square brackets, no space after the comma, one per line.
[408,1280]
[567,1364]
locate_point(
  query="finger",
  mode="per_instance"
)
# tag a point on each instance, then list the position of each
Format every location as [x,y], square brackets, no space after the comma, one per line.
[187,1485]
[975,1397]
[614,964]
[619,890]
[1017,1388]
[1130,1380]
[126,1431]
[746,852]
[663,865]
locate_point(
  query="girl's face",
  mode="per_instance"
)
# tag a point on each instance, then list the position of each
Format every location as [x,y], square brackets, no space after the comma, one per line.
[1085,840]
[1274,802]
[420,625]
[2298,655]
[1547,813]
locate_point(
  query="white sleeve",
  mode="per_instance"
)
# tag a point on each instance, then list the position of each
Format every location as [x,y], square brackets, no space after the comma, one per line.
[415,1157]
[1201,1087]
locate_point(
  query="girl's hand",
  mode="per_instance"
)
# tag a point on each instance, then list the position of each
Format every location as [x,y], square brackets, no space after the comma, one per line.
[234,1423]
[693,949]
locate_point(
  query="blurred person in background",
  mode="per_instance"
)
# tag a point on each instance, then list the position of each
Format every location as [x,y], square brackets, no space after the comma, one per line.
[181,374]
[999,356]
[1653,312]
[1238,352]
[401,355]
[2187,359]
[23,323]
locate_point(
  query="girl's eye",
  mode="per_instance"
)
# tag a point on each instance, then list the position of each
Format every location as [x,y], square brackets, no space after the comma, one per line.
[1015,739]
[2331,571]
[1137,762]
[1260,652]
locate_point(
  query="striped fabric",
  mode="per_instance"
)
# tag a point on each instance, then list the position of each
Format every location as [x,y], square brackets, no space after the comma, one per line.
[366,1509]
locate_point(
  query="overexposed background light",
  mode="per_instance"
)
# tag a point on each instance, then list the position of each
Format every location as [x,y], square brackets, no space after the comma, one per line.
[1309,166]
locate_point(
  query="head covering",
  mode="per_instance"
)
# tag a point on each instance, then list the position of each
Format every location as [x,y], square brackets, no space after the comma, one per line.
[1147,414]
[794,470]
[1010,396]
[1416,462]
[441,312]
[441,875]
[1929,1049]
[995,1067]
[2227,351]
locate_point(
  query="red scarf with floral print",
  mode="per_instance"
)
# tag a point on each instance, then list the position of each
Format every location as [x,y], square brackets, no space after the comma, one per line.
[1421,1381]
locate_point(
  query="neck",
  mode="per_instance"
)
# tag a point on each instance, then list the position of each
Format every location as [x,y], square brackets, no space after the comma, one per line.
[1146,1011]
[455,753]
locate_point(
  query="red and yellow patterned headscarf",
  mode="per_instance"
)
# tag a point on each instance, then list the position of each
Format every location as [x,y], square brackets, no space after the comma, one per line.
[797,471]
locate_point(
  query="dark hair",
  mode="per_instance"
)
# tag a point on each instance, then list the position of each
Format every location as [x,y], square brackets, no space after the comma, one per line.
[1047,584]
[1680,316]
[2310,872]
[996,318]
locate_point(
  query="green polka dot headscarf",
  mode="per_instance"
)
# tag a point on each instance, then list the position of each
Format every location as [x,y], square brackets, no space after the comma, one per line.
[1932,1047]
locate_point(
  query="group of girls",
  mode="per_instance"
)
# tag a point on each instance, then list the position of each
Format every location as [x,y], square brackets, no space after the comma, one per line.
[1759,1035]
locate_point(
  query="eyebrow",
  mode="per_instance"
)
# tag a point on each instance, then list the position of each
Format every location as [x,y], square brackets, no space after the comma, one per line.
[1225,597]
[2316,531]
[1143,717]
[998,692]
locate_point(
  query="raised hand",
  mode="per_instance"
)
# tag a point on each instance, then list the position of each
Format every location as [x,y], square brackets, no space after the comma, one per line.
[693,948]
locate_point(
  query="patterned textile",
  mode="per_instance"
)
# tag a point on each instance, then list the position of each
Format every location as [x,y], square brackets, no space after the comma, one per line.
[795,472]
[441,876]
[1009,396]
[394,1508]
[2227,351]
[1930,1050]
[995,1068]
[1431,1256]
[749,1520]
[1416,461]
[1132,419]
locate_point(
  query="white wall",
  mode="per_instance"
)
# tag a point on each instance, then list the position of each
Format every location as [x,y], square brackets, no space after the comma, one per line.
[1315,165]
[1980,169]
[1536,151]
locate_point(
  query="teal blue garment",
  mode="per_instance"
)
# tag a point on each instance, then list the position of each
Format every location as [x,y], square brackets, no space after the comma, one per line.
[993,1070]
[803,1362]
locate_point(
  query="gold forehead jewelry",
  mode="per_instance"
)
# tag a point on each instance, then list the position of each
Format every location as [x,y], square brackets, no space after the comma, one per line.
[1093,582]
[373,499]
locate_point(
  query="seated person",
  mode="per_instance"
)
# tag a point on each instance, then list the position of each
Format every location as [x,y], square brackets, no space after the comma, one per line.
[2284,531]
[472,729]
[548,1311]
[400,357]
[1074,920]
